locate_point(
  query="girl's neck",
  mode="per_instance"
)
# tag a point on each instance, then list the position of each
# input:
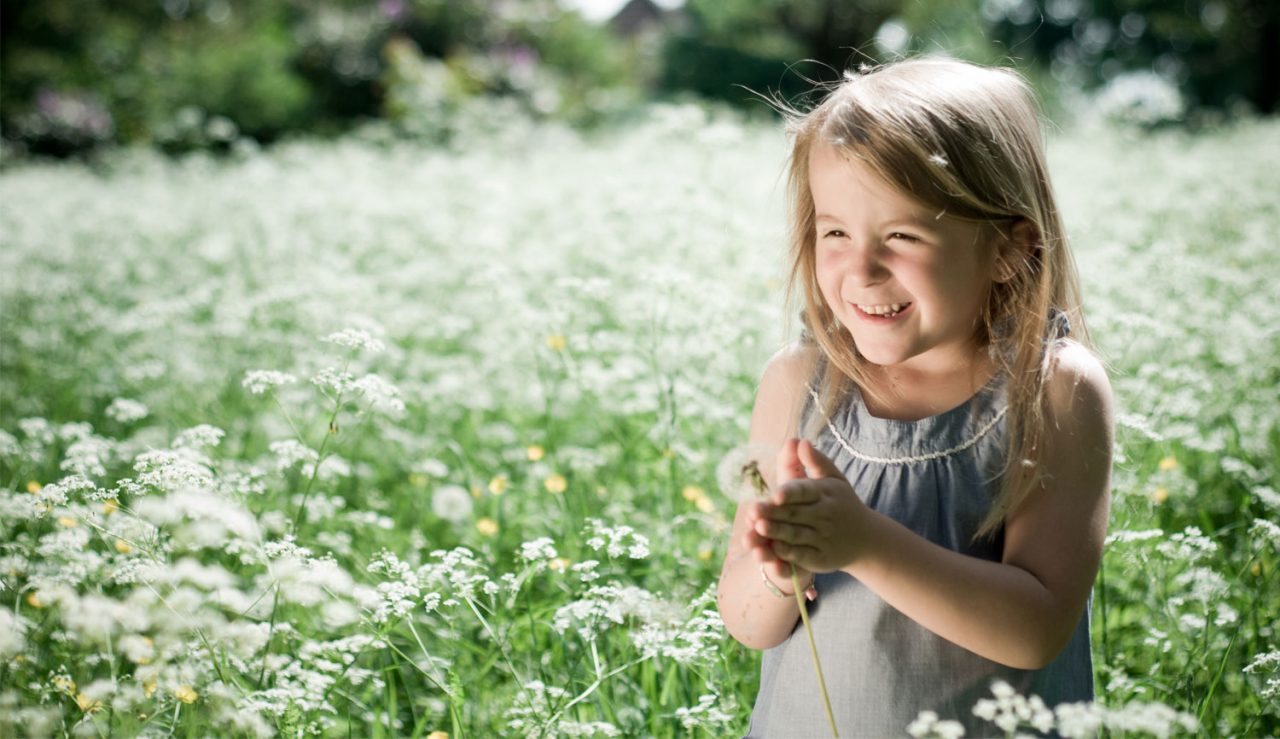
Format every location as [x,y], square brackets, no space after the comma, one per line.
[904,394]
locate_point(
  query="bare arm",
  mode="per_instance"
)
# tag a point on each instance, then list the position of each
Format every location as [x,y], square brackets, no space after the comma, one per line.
[753,615]
[1020,611]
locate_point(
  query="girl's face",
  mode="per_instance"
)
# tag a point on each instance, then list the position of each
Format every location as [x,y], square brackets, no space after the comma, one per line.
[907,284]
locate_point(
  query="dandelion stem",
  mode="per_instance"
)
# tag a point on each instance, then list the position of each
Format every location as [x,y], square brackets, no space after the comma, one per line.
[755,478]
[813,647]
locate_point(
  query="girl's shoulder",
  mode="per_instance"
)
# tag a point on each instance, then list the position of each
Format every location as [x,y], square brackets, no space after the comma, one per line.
[1077,390]
[793,365]
[782,393]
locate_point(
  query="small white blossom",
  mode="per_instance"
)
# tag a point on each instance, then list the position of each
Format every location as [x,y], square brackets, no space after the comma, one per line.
[124,410]
[354,338]
[260,381]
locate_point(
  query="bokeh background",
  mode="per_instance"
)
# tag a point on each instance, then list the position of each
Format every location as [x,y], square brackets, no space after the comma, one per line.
[183,74]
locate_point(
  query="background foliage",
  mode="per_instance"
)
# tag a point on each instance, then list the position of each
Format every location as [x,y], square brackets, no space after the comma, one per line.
[206,73]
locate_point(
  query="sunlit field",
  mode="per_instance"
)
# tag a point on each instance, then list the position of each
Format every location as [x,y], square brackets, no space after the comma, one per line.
[366,439]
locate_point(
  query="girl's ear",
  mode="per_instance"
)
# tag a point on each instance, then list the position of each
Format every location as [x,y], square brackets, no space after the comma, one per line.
[1015,249]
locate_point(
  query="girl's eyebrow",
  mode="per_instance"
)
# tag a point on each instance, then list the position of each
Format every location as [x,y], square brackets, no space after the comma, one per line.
[914,220]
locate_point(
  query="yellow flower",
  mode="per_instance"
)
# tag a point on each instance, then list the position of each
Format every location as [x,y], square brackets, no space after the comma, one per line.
[668,453]
[476,491]
[110,505]
[1168,463]
[65,684]
[556,342]
[555,483]
[499,484]
[149,687]
[1159,495]
[87,704]
[438,735]
[704,554]
[123,546]
[33,487]
[705,504]
[67,522]
[534,453]
[692,492]
[487,526]
[418,480]
[1256,569]
[185,694]
[34,601]
[559,564]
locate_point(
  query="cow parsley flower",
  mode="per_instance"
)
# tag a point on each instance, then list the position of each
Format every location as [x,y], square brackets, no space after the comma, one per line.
[199,437]
[617,540]
[125,411]
[260,381]
[354,338]
[927,726]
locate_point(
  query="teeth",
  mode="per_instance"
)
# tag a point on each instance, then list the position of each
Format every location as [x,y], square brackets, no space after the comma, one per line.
[883,310]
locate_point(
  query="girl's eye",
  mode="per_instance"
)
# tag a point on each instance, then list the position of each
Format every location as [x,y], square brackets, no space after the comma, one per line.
[836,233]
[898,235]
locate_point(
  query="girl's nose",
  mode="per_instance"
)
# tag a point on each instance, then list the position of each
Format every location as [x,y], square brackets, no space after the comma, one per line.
[864,263]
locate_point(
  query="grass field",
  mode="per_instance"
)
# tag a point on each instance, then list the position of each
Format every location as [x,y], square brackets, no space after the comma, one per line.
[362,439]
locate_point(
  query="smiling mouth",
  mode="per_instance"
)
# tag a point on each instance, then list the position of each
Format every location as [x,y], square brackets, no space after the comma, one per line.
[881,311]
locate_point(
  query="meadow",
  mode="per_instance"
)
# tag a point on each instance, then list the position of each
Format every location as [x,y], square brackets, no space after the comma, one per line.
[361,438]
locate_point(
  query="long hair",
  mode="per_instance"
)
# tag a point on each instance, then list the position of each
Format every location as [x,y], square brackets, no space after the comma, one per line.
[966,140]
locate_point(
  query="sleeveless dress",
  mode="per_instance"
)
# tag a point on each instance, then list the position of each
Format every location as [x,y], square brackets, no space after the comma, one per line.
[936,476]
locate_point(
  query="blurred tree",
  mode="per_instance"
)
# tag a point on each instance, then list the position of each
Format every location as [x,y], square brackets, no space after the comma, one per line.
[754,42]
[194,73]
[1220,52]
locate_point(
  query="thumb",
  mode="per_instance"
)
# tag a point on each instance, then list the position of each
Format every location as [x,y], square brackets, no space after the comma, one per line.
[789,466]
[816,463]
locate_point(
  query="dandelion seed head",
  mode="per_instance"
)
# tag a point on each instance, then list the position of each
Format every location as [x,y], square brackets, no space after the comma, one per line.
[451,503]
[742,469]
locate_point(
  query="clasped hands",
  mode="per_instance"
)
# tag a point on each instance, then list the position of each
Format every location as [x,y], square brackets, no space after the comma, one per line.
[809,518]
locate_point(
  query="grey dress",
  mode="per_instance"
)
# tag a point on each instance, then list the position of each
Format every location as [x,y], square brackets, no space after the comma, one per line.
[936,476]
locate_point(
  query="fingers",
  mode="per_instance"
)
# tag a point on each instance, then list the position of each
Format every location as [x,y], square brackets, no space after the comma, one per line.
[816,464]
[799,555]
[775,530]
[789,466]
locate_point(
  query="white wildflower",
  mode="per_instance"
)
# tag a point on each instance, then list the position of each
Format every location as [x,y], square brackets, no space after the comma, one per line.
[1265,532]
[381,395]
[707,714]
[199,437]
[452,503]
[289,452]
[617,540]
[586,570]
[88,455]
[124,410]
[927,726]
[354,338]
[332,379]
[538,550]
[1126,537]
[260,381]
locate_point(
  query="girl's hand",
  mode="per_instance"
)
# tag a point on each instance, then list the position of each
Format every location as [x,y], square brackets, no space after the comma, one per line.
[811,519]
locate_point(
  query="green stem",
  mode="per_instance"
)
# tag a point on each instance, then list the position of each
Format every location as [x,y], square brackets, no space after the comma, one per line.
[813,647]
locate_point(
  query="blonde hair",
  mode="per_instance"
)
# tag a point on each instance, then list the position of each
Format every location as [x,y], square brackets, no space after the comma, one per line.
[965,140]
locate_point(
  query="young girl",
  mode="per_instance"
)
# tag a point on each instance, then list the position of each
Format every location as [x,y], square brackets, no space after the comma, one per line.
[949,513]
